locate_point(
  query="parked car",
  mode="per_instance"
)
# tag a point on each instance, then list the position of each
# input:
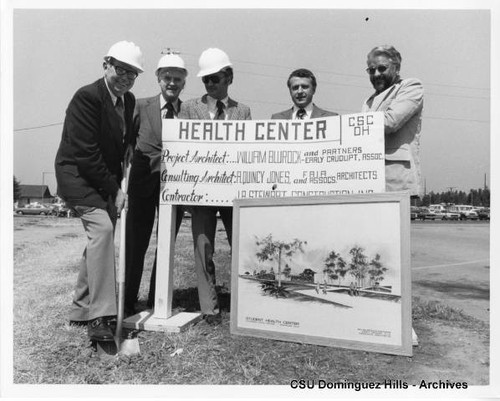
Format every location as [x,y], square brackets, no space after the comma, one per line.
[426,214]
[484,213]
[438,208]
[33,209]
[466,212]
[62,210]
[414,210]
[447,215]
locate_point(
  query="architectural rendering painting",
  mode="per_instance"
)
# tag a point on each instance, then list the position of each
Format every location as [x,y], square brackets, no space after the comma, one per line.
[325,270]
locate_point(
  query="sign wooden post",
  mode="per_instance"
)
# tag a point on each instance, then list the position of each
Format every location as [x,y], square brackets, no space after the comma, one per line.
[161,318]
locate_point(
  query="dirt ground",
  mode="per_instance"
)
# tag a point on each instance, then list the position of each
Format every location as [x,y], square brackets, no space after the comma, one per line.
[450,264]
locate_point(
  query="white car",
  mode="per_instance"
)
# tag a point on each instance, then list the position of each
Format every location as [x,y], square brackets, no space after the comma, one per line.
[446,215]
[466,211]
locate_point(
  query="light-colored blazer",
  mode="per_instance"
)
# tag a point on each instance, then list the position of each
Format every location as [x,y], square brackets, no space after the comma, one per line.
[316,113]
[197,109]
[402,104]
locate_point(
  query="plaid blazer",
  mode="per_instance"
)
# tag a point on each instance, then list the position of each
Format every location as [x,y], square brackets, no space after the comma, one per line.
[197,109]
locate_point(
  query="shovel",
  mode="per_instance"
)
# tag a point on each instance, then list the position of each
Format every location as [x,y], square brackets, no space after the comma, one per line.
[125,343]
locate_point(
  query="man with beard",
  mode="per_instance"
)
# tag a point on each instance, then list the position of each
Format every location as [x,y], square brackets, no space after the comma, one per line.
[144,183]
[401,100]
[302,86]
[217,74]
[97,131]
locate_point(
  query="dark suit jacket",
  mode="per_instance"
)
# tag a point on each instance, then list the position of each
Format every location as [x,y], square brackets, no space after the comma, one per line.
[197,109]
[146,164]
[317,113]
[88,163]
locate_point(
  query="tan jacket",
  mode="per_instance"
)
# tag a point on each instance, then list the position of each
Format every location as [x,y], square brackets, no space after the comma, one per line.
[197,109]
[402,105]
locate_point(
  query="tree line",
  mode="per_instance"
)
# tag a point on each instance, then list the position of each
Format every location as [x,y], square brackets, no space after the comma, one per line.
[475,197]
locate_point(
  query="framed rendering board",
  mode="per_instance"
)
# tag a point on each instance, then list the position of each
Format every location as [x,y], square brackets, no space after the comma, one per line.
[332,270]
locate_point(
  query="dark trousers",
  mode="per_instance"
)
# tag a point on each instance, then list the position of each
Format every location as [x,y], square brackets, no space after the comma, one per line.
[204,225]
[140,221]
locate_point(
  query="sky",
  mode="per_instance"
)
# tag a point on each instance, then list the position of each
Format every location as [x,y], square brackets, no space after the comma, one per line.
[56,51]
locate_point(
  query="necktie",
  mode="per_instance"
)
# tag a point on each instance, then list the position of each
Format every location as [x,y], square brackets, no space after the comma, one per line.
[120,110]
[301,113]
[219,115]
[169,113]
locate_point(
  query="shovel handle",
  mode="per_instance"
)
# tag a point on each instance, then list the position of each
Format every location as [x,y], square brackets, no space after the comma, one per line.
[121,259]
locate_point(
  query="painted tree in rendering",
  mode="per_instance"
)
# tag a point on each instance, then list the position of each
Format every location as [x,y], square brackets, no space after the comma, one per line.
[376,270]
[358,266]
[330,265]
[341,268]
[271,249]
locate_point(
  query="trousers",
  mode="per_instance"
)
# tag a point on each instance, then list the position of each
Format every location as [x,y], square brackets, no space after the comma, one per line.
[204,225]
[95,290]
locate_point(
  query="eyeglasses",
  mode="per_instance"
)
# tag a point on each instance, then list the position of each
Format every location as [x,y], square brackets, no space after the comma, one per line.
[380,68]
[122,71]
[214,78]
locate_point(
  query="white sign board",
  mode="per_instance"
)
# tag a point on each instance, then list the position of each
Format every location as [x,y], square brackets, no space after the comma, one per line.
[209,163]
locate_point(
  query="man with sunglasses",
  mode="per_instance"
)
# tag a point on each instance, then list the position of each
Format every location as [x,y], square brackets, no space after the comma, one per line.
[401,100]
[97,130]
[144,182]
[302,86]
[217,74]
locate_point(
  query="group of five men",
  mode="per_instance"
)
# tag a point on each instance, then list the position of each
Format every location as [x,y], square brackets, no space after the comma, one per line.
[105,126]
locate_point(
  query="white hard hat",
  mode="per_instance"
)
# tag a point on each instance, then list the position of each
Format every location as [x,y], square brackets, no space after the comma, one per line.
[128,53]
[211,61]
[171,60]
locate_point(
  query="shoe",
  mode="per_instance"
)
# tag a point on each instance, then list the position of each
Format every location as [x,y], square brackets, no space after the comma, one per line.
[213,320]
[100,329]
[111,322]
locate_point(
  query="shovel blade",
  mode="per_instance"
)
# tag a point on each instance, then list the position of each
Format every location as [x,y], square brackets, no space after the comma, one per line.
[129,347]
[128,344]
[106,348]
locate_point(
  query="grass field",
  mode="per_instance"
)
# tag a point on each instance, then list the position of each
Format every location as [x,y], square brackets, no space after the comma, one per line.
[452,345]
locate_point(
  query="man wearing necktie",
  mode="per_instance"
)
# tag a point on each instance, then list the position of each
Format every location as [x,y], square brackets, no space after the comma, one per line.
[144,182]
[302,86]
[97,130]
[401,101]
[217,74]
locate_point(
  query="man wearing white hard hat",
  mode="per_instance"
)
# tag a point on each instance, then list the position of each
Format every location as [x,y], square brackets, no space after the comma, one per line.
[98,129]
[217,74]
[144,182]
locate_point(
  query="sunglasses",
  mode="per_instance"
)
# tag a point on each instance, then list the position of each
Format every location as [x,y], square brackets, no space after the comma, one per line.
[122,71]
[214,78]
[380,69]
